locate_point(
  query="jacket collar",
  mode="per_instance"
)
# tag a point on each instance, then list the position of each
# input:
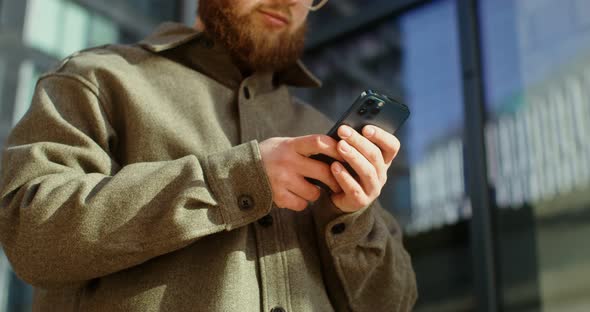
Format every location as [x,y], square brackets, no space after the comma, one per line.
[205,55]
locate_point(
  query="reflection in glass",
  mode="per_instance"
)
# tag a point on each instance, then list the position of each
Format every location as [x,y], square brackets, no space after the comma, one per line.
[538,149]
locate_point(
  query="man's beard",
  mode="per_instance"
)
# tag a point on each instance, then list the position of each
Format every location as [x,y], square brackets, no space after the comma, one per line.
[249,43]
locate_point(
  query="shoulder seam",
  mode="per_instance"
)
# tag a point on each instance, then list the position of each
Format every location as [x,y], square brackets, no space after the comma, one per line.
[85,83]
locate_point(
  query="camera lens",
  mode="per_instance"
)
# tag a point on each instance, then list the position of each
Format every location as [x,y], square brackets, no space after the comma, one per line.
[362,110]
[376,110]
[370,102]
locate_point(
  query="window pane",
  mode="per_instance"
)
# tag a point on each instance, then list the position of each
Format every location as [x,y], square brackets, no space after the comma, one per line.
[102,31]
[432,87]
[27,80]
[42,24]
[75,29]
[414,57]
[154,9]
[537,79]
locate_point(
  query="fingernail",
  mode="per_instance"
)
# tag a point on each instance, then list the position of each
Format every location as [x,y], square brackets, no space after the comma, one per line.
[344,146]
[345,132]
[369,131]
[337,168]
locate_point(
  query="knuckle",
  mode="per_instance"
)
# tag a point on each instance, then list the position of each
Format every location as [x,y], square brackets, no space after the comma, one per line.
[286,160]
[289,144]
[282,142]
[370,175]
[357,195]
[374,156]
[283,176]
[318,141]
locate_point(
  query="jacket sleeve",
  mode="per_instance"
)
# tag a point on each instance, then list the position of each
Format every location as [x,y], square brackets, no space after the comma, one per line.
[365,264]
[69,212]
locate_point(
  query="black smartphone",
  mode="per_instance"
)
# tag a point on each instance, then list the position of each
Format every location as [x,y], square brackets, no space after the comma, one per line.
[370,108]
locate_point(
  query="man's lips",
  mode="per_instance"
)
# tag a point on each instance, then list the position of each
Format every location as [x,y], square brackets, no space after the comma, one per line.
[276,18]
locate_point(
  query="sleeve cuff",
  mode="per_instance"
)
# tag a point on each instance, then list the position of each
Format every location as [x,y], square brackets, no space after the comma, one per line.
[240,183]
[341,229]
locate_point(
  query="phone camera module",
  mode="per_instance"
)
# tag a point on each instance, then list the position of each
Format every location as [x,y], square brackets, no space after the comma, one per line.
[370,102]
[363,110]
[377,109]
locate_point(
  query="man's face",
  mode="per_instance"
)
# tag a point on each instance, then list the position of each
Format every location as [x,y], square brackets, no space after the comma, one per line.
[260,34]
[274,16]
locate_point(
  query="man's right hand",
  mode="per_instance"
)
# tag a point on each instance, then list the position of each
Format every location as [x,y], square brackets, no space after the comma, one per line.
[287,164]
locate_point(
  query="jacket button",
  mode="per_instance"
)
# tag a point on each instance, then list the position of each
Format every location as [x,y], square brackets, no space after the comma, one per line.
[246,202]
[247,93]
[278,309]
[266,221]
[338,228]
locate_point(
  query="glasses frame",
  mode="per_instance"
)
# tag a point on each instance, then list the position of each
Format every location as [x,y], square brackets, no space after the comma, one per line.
[317,6]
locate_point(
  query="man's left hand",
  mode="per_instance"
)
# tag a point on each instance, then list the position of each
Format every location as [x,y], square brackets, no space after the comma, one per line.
[370,155]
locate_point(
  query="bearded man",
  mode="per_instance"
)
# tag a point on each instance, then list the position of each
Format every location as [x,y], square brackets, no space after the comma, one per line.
[170,176]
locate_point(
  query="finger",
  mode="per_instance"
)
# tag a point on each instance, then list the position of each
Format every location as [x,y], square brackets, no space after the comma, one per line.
[353,195]
[367,148]
[386,141]
[300,187]
[318,170]
[287,200]
[367,173]
[316,144]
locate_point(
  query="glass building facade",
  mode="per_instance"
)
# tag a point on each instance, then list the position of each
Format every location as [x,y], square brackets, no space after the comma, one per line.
[491,185]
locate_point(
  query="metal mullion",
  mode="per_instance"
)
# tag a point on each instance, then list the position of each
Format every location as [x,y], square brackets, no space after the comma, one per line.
[483,222]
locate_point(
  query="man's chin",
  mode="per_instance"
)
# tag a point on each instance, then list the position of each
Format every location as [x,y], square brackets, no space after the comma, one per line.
[270,33]
[256,43]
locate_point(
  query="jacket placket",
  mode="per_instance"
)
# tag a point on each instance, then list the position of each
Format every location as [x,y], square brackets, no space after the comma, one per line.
[270,242]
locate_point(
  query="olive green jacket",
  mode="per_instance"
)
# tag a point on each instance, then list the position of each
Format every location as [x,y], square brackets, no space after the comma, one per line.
[135,183]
